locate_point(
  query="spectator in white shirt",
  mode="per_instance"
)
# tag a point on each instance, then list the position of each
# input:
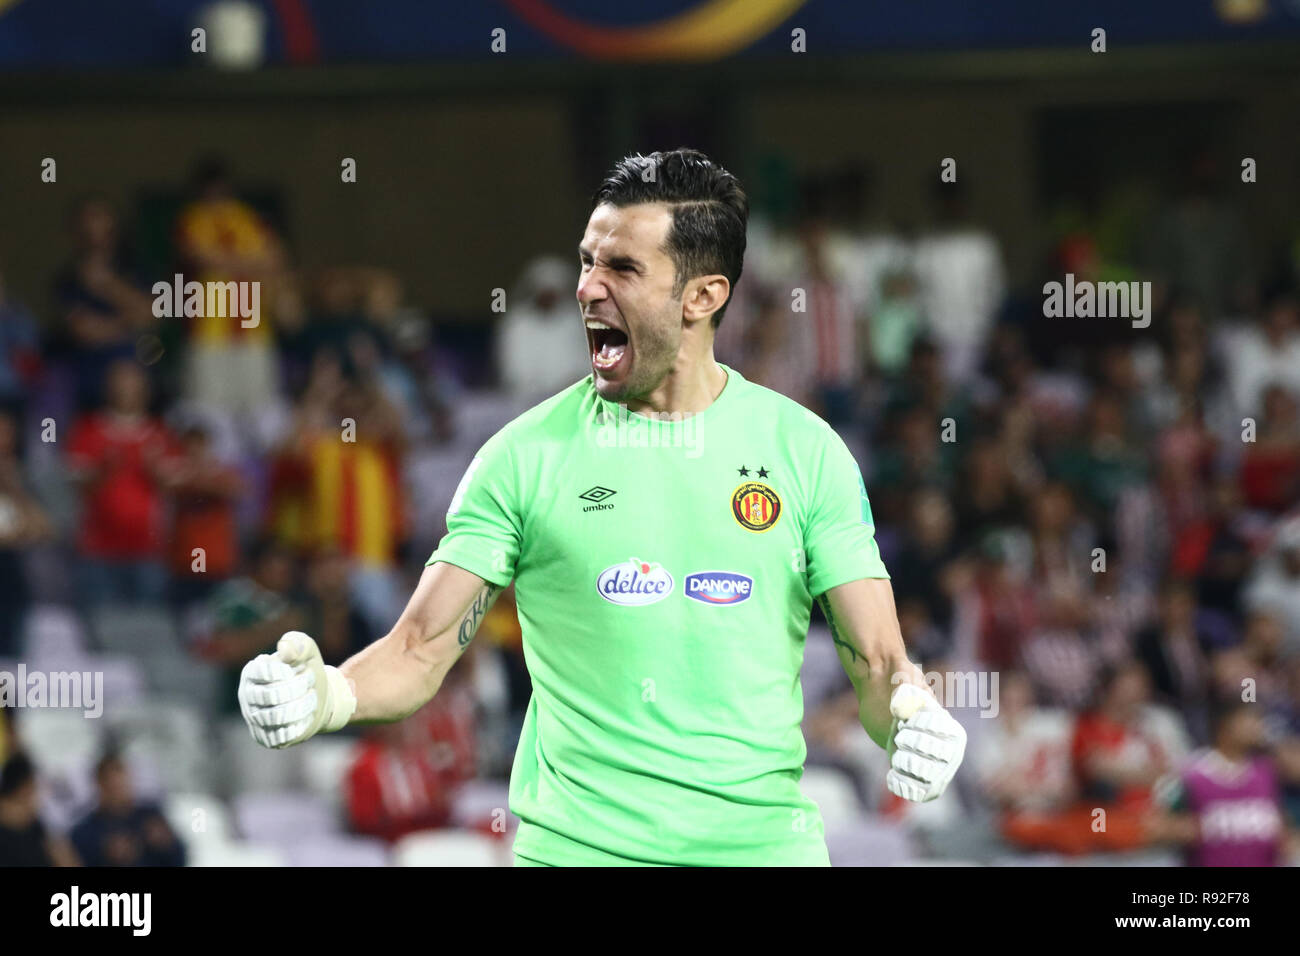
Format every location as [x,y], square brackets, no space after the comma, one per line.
[541,345]
[962,281]
[1266,354]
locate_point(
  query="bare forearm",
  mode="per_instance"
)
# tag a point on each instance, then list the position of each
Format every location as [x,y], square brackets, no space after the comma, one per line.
[395,676]
[864,626]
[400,673]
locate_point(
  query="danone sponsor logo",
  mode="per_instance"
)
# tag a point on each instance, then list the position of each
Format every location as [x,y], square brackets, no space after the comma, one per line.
[719,587]
[634,582]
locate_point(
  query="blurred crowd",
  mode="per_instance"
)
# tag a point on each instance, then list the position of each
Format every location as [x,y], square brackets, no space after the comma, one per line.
[1100,515]
[1098,521]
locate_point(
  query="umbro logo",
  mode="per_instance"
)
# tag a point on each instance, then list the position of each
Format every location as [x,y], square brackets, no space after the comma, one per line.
[597,495]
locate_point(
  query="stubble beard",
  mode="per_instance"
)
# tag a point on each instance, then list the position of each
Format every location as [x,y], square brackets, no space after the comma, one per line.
[653,359]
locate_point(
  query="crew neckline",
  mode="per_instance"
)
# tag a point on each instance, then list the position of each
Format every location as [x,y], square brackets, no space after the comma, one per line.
[617,408]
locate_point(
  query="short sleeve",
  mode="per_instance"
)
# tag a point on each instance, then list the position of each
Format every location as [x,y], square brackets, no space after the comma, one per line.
[840,536]
[483,521]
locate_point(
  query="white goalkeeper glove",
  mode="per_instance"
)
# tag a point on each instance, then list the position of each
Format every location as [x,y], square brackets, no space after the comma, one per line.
[292,694]
[926,745]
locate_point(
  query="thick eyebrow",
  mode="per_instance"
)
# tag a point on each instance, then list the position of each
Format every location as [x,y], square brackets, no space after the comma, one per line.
[615,262]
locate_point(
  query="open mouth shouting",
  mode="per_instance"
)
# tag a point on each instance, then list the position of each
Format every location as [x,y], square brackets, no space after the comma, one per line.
[609,348]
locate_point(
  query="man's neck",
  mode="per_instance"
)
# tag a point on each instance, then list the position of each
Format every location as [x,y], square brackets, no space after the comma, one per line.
[124,419]
[1231,756]
[689,388]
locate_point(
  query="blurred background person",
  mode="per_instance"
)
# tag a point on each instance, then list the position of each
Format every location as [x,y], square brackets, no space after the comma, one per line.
[203,550]
[123,459]
[1227,809]
[540,345]
[1121,747]
[1199,243]
[122,830]
[1274,582]
[1265,353]
[248,613]
[1022,765]
[220,238]
[962,277]
[24,839]
[100,297]
[20,351]
[405,775]
[338,482]
[1172,649]
[23,523]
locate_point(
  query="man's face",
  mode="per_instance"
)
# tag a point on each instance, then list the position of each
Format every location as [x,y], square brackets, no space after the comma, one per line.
[275,572]
[97,226]
[115,787]
[1130,691]
[634,322]
[24,802]
[128,389]
[1244,731]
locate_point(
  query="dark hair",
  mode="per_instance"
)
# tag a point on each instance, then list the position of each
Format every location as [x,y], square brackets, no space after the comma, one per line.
[1108,676]
[710,211]
[18,771]
[263,548]
[110,757]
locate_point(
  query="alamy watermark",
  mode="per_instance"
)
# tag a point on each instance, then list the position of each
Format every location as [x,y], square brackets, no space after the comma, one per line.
[961,689]
[1085,299]
[628,429]
[133,911]
[76,690]
[181,299]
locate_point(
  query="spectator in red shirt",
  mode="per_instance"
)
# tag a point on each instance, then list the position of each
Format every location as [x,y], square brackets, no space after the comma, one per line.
[1005,605]
[204,540]
[1270,470]
[1115,759]
[123,459]
[406,775]
[1119,749]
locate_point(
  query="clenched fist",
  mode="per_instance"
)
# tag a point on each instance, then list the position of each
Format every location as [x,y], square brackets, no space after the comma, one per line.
[291,695]
[926,745]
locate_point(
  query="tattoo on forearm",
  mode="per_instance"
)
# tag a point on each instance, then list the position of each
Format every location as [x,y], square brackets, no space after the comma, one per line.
[474,616]
[835,631]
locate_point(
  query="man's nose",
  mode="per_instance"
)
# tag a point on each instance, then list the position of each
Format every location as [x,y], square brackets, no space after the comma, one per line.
[590,288]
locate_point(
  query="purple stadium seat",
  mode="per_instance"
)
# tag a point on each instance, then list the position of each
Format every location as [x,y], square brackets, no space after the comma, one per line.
[53,633]
[237,855]
[480,802]
[124,682]
[451,848]
[283,818]
[338,851]
[869,842]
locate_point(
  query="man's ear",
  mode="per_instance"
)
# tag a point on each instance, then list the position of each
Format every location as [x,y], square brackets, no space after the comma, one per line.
[705,295]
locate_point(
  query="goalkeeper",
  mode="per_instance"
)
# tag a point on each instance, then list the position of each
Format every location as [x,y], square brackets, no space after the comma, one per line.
[663,630]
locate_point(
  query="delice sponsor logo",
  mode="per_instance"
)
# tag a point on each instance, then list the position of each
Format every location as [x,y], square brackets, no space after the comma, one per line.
[634,582]
[719,587]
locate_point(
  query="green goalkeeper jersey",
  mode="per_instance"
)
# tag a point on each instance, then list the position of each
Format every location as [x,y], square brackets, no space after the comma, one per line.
[664,572]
